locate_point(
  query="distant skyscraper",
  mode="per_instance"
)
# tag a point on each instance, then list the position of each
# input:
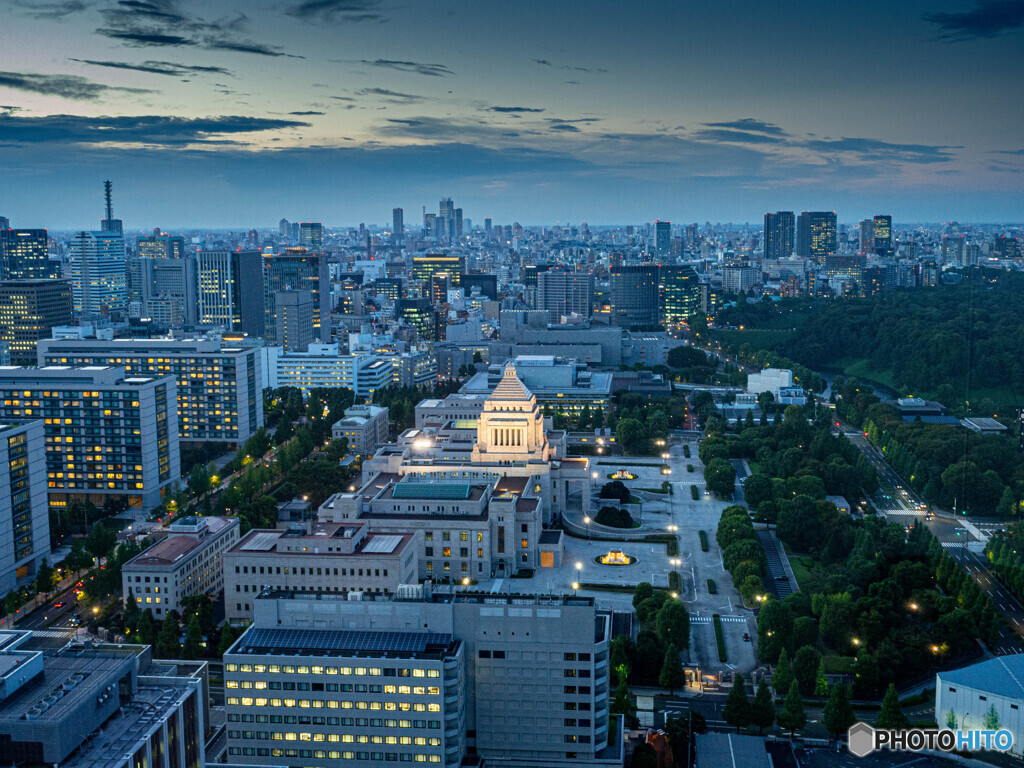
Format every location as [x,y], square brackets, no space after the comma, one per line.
[779,230]
[97,269]
[663,237]
[816,235]
[397,227]
[110,224]
[458,223]
[634,295]
[300,271]
[283,227]
[425,267]
[230,292]
[488,229]
[420,314]
[882,229]
[29,309]
[294,330]
[160,246]
[867,236]
[953,249]
[311,235]
[680,294]
[446,219]
[24,254]
[565,293]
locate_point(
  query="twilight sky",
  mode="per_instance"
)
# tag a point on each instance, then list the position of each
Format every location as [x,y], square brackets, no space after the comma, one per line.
[234,113]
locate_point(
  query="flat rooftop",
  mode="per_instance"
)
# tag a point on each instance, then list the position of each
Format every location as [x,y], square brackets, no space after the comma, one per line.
[68,681]
[326,642]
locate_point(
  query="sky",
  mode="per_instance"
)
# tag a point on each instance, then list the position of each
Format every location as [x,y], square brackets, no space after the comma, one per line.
[236,113]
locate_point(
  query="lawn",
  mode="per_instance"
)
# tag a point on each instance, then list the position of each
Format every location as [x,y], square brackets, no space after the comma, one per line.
[809,574]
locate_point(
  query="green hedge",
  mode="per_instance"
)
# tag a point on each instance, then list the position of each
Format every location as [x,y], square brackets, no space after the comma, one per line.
[712,587]
[720,638]
[703,540]
[686,451]
[675,581]
[695,493]
[668,539]
[689,467]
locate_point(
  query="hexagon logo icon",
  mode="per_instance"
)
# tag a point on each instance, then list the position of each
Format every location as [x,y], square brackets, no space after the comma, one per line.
[860,739]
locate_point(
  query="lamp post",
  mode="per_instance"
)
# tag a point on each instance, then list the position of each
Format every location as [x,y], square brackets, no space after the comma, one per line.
[575,586]
[579,568]
[586,520]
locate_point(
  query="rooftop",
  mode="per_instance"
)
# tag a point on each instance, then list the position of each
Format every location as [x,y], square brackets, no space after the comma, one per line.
[165,552]
[1000,676]
[323,642]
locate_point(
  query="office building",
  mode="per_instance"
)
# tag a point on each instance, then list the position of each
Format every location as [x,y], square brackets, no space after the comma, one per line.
[365,427]
[322,366]
[952,250]
[168,290]
[634,295]
[420,314]
[294,320]
[219,391]
[487,285]
[779,235]
[24,254]
[563,293]
[877,279]
[663,238]
[299,271]
[740,279]
[188,561]
[230,291]
[968,695]
[425,267]
[160,246]
[446,219]
[29,310]
[398,227]
[107,435]
[311,236]
[86,705]
[315,558]
[882,235]
[24,520]
[680,294]
[426,678]
[849,264]
[96,268]
[867,236]
[816,235]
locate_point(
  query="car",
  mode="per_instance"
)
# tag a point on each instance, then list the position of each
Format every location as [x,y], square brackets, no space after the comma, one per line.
[58,605]
[74,621]
[746,637]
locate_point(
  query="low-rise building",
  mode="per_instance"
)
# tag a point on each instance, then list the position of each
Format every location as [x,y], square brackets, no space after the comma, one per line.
[366,427]
[323,366]
[328,557]
[188,561]
[769,380]
[978,696]
[557,383]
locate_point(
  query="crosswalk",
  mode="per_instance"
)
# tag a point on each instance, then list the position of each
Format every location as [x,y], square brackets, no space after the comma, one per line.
[952,545]
[707,619]
[69,633]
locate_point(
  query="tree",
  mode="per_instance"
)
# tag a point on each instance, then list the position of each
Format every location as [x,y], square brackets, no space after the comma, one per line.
[617,490]
[805,668]
[193,648]
[644,756]
[167,645]
[774,629]
[891,714]
[146,633]
[792,717]
[720,477]
[673,624]
[641,592]
[783,677]
[671,675]
[100,540]
[838,715]
[737,707]
[991,718]
[45,577]
[762,712]
[820,681]
[951,721]
[621,703]
[631,435]
[227,639]
[77,559]
[756,489]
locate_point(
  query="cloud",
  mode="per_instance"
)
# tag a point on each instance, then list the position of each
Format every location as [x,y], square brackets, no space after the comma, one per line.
[392,97]
[989,18]
[415,67]
[564,127]
[170,68]
[66,86]
[742,137]
[141,129]
[874,149]
[573,119]
[337,10]
[568,67]
[750,124]
[514,110]
[162,24]
[997,152]
[57,9]
[306,112]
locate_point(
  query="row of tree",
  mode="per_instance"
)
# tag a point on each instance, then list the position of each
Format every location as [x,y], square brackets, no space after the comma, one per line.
[742,554]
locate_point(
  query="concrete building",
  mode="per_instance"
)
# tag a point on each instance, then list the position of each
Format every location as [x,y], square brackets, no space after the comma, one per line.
[29,310]
[325,557]
[230,291]
[557,383]
[24,254]
[294,329]
[189,561]
[219,391]
[740,279]
[436,413]
[107,434]
[24,521]
[970,695]
[96,269]
[366,427]
[168,290]
[634,295]
[323,366]
[562,293]
[299,270]
[427,678]
[99,706]
[529,333]
[770,380]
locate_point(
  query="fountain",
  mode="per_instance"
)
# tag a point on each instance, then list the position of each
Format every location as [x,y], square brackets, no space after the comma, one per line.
[622,474]
[616,557]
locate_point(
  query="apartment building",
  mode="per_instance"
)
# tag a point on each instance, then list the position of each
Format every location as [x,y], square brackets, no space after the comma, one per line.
[24,522]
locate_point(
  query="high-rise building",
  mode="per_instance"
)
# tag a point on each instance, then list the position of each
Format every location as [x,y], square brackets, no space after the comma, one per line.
[816,235]
[740,278]
[779,231]
[110,224]
[565,293]
[168,290]
[952,250]
[219,392]
[29,309]
[230,291]
[160,246]
[446,219]
[680,294]
[488,285]
[425,267]
[488,229]
[97,269]
[311,235]
[419,313]
[663,238]
[294,329]
[24,254]
[634,295]
[24,521]
[882,234]
[131,420]
[397,227]
[440,282]
[867,236]
[299,271]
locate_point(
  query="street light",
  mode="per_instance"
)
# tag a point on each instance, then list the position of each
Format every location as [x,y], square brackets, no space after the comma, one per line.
[575,586]
[586,521]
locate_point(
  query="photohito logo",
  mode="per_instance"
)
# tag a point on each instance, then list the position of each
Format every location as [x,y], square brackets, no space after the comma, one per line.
[862,739]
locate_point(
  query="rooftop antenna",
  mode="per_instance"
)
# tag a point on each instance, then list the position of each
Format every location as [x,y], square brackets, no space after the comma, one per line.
[107,189]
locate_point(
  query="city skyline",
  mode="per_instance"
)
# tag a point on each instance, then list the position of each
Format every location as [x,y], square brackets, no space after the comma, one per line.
[224,115]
